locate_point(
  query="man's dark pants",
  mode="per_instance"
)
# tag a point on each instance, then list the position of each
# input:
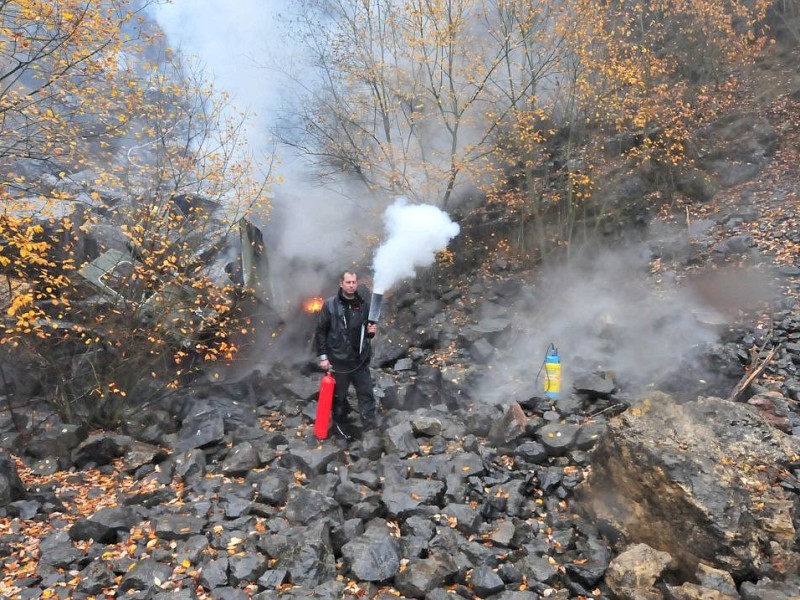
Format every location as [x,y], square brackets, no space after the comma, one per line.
[361,380]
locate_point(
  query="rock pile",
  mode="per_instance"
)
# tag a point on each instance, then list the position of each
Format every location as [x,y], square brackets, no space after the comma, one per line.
[541,498]
[427,508]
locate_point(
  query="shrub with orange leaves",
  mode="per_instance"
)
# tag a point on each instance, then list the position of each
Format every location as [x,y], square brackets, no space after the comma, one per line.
[646,72]
[122,178]
[656,69]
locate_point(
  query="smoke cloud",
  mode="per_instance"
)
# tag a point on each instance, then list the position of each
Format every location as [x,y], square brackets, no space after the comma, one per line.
[312,230]
[415,234]
[227,35]
[605,313]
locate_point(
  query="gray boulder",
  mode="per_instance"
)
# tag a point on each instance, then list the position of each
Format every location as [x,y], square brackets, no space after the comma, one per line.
[633,574]
[373,556]
[11,486]
[699,481]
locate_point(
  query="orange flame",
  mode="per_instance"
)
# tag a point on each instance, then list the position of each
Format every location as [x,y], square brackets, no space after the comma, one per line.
[313,305]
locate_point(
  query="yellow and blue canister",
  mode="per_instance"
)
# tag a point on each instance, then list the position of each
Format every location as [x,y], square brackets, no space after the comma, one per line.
[552,369]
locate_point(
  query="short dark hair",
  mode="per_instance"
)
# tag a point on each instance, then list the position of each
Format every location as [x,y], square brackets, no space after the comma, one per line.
[345,272]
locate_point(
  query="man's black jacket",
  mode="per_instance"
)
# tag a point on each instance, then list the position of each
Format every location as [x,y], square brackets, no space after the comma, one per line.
[341,331]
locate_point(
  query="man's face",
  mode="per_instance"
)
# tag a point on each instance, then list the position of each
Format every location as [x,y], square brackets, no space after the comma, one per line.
[349,285]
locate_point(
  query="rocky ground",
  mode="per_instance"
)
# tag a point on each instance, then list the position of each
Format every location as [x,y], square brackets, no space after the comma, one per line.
[477,484]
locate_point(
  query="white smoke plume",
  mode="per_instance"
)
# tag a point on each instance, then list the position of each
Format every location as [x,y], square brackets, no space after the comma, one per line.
[415,234]
[227,36]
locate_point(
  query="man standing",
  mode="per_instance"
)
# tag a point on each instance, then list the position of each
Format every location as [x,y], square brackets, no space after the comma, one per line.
[343,345]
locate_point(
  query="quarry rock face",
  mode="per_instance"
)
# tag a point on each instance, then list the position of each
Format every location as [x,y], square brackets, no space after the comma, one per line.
[704,481]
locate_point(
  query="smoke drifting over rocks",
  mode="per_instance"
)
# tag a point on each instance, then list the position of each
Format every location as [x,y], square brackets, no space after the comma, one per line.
[607,307]
[605,314]
[415,234]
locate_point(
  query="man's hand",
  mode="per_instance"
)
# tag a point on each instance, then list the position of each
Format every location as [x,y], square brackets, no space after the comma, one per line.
[372,328]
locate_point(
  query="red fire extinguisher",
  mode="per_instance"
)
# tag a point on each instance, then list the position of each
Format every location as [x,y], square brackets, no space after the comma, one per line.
[324,406]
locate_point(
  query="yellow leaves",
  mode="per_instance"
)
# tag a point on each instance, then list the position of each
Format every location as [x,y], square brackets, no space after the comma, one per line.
[19,303]
[45,299]
[32,252]
[81,502]
[637,82]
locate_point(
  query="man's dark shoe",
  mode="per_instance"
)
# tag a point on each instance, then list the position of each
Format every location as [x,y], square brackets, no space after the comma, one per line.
[344,431]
